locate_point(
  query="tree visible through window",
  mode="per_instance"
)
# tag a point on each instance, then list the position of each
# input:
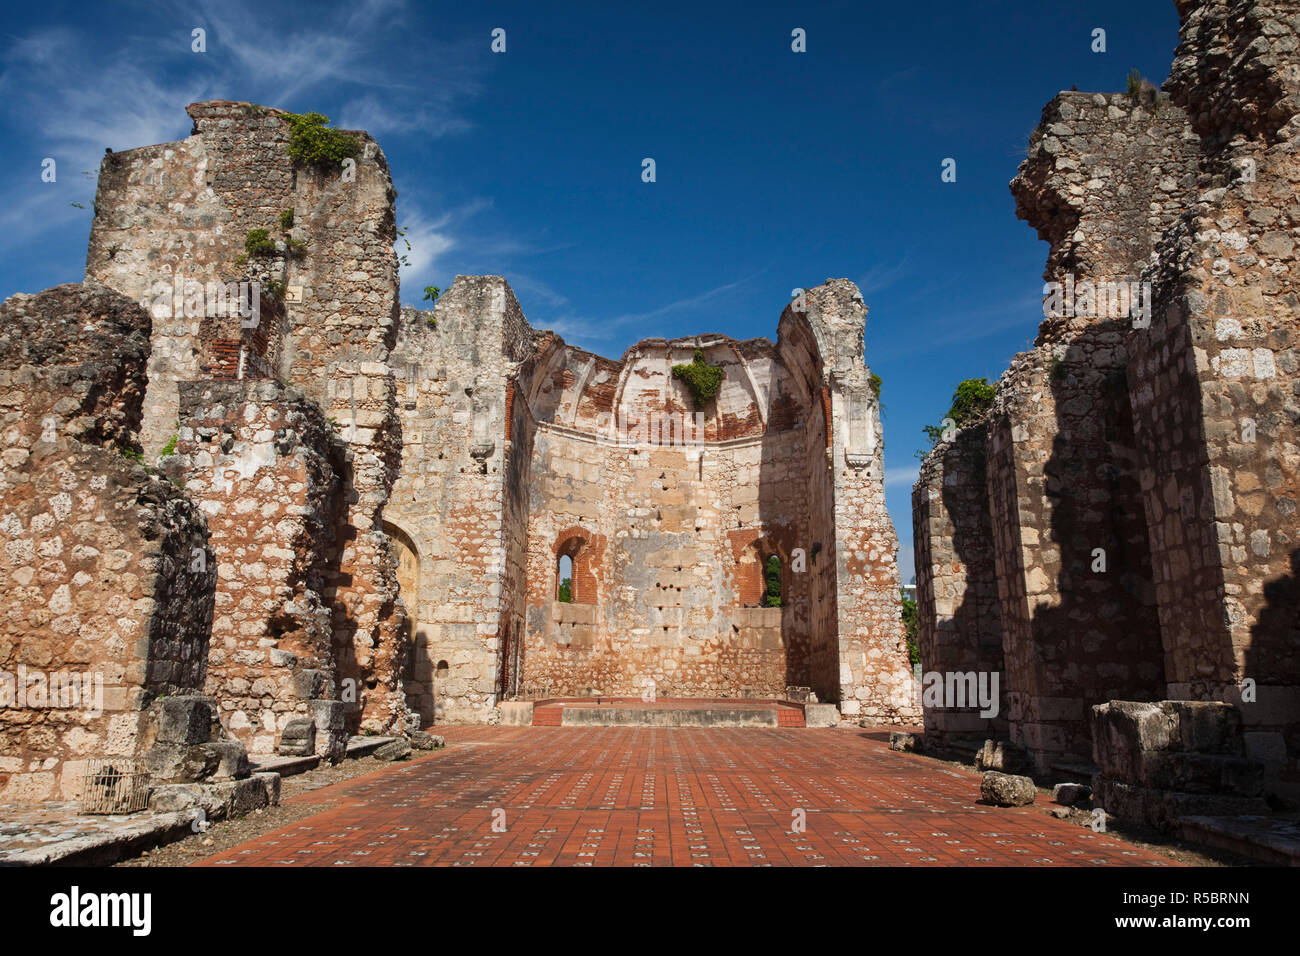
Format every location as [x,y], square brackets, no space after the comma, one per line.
[772,575]
[565,576]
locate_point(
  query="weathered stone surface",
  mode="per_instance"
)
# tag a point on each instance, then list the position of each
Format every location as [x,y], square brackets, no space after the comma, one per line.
[425,741]
[394,750]
[1006,790]
[103,606]
[821,715]
[298,739]
[1000,755]
[907,743]
[1071,794]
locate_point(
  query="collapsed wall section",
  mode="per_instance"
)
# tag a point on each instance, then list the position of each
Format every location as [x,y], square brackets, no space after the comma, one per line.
[171,225]
[264,467]
[105,570]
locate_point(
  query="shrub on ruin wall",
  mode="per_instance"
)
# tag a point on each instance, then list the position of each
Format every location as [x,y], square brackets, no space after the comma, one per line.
[313,143]
[701,378]
[972,399]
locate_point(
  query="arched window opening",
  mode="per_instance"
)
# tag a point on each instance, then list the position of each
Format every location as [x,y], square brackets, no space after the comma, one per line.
[564,579]
[772,581]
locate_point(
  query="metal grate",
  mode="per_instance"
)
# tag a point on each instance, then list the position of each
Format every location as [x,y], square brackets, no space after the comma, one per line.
[114,785]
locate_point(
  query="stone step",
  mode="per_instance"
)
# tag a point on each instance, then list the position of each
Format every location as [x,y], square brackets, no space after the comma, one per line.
[667,714]
[1274,841]
[284,766]
[360,746]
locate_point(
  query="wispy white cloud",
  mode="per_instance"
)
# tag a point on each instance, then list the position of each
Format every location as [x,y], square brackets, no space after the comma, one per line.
[881,276]
[903,475]
[578,329]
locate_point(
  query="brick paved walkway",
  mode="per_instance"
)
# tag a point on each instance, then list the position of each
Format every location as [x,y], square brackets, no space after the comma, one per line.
[574,796]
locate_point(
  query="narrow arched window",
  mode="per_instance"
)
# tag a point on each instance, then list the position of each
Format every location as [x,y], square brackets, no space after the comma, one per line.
[564,580]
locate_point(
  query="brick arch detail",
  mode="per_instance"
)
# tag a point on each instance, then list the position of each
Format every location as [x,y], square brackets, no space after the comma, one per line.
[749,547]
[587,549]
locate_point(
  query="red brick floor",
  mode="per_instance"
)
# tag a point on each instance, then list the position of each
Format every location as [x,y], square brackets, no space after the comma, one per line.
[577,796]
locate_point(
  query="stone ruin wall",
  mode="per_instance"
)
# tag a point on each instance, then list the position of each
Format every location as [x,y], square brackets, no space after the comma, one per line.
[1221,352]
[512,460]
[669,582]
[452,367]
[340,443]
[264,467]
[958,608]
[98,567]
[1129,439]
[175,212]
[875,678]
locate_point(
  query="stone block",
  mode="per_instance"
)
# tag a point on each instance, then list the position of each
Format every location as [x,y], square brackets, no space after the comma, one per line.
[821,715]
[1007,790]
[904,742]
[398,749]
[184,719]
[1071,794]
[516,713]
[298,739]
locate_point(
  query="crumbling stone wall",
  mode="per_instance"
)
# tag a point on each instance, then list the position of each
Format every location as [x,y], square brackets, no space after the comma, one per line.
[875,678]
[1216,375]
[453,366]
[674,516]
[958,610]
[1165,437]
[105,571]
[173,216]
[264,467]
[520,449]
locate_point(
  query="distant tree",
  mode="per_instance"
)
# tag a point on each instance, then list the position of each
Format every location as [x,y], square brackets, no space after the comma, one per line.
[911,625]
[566,591]
[772,575]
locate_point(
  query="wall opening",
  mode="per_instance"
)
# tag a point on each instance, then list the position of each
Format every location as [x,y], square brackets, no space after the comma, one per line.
[772,581]
[564,580]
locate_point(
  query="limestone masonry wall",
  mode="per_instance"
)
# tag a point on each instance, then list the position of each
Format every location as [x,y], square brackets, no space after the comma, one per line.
[172,219]
[521,451]
[1142,460]
[106,577]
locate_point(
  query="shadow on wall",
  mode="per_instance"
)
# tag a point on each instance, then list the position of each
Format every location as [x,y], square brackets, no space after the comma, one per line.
[971,639]
[1273,658]
[1101,642]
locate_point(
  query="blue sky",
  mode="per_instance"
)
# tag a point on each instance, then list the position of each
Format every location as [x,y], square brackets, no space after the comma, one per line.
[774,169]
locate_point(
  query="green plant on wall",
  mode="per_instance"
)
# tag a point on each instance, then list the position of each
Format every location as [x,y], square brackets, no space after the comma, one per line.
[258,242]
[701,378]
[312,142]
[972,399]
